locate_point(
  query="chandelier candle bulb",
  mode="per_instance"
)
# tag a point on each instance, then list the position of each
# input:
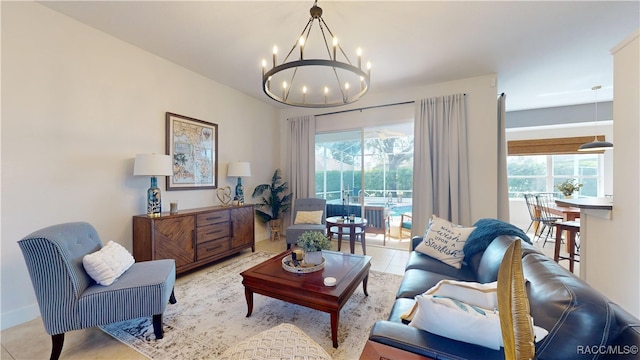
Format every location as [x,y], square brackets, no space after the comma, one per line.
[284,90]
[359,52]
[335,46]
[275,55]
[301,42]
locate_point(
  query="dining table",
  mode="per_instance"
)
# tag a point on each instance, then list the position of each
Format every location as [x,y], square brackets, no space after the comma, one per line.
[567,213]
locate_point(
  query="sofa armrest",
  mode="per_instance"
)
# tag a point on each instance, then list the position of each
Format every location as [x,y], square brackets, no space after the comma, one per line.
[426,344]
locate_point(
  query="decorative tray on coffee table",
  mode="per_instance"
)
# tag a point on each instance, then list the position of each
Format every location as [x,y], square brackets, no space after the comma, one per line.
[301,267]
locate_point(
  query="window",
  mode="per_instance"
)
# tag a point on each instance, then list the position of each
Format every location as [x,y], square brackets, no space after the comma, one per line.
[541,173]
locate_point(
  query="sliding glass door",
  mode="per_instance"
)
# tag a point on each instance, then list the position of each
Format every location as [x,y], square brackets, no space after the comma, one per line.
[366,172]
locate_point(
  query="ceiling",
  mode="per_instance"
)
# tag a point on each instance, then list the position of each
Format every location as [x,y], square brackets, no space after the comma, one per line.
[545,53]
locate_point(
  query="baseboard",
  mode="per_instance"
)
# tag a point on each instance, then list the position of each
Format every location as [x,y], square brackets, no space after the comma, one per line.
[19,316]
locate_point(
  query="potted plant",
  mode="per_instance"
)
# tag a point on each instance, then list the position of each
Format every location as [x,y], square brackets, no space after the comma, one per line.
[313,242]
[274,201]
[568,187]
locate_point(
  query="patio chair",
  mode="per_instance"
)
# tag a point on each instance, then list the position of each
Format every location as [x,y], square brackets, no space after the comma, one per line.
[406,220]
[70,299]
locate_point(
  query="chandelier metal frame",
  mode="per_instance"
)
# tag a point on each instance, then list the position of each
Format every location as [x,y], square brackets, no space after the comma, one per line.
[332,62]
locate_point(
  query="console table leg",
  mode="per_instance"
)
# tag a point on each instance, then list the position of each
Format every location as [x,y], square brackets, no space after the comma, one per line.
[249,295]
[335,316]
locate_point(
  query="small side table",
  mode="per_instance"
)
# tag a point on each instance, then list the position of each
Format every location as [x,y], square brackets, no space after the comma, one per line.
[275,226]
[353,228]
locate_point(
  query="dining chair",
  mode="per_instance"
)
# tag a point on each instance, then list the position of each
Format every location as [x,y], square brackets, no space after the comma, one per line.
[534,214]
[543,202]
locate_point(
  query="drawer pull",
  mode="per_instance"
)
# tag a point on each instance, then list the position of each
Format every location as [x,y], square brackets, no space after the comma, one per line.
[213,248]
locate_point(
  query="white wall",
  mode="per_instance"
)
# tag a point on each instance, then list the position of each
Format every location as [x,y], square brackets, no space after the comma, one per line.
[77,105]
[613,267]
[482,129]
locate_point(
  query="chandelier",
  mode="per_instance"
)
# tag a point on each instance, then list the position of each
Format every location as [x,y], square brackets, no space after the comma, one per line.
[596,145]
[319,76]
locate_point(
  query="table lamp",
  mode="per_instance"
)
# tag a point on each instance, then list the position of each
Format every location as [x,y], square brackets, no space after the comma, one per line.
[153,165]
[239,169]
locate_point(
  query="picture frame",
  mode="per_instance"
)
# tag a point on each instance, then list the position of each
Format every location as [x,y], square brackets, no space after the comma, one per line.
[193,147]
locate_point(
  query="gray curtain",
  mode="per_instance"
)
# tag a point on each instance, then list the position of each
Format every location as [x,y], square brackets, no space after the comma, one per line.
[441,173]
[503,185]
[301,155]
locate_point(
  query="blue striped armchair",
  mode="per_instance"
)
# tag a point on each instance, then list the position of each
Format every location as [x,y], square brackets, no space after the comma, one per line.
[69,299]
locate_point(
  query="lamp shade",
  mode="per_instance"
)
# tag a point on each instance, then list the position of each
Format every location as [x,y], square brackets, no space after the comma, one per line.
[153,165]
[239,169]
[596,145]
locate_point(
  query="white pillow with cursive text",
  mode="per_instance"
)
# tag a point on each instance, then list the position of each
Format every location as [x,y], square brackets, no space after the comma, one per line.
[444,241]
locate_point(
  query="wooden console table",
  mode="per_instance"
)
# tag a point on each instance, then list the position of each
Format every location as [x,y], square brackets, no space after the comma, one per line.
[194,237]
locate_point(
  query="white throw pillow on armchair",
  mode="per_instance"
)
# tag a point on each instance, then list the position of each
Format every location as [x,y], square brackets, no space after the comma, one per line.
[107,264]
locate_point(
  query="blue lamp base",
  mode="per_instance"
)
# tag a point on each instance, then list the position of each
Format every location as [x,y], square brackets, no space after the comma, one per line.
[239,192]
[154,203]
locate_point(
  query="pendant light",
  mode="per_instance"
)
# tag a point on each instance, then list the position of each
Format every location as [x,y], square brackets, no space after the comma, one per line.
[596,145]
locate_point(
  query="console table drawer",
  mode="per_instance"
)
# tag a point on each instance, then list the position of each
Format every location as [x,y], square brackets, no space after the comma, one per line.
[210,218]
[212,232]
[211,248]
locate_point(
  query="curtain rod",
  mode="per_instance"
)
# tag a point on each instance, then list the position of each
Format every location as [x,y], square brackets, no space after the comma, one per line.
[366,108]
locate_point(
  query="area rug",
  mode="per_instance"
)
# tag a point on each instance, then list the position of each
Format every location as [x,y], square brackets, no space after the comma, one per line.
[210,315]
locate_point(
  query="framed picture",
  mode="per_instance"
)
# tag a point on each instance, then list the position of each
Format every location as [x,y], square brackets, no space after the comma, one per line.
[193,146]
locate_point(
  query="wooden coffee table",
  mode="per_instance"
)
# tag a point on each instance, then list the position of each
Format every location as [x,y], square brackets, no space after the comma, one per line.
[270,279]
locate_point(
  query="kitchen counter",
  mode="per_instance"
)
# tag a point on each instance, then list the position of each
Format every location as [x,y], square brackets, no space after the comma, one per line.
[587,203]
[593,211]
